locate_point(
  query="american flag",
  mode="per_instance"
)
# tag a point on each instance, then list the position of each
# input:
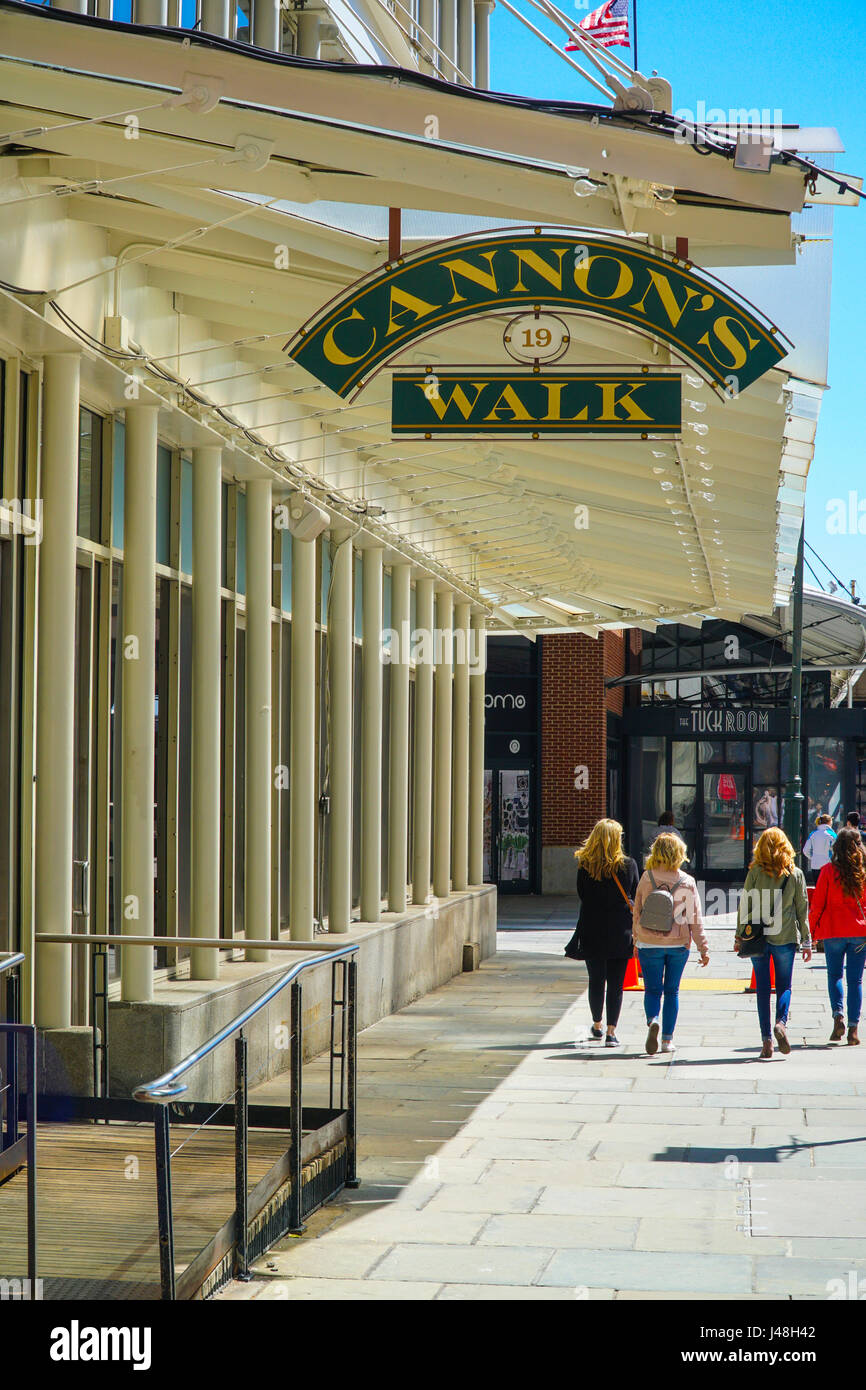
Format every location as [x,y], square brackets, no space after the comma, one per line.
[608,24]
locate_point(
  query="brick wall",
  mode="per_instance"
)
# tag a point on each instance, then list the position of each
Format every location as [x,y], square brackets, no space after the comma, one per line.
[573,734]
[614,649]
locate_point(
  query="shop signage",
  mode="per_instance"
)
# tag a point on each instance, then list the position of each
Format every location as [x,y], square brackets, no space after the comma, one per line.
[724,721]
[621,281]
[432,403]
[510,703]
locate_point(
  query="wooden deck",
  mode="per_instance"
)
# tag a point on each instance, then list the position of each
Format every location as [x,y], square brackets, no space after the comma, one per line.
[97,1221]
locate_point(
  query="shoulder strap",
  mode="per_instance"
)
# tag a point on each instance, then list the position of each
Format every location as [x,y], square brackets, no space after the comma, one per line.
[651,879]
[621,889]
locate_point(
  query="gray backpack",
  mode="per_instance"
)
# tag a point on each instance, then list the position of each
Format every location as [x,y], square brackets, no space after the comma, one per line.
[657,913]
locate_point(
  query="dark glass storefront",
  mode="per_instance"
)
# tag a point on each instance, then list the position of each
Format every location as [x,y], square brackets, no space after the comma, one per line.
[512,805]
[712,746]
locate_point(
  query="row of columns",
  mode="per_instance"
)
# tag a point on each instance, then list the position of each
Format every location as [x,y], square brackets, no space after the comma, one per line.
[463,27]
[448,769]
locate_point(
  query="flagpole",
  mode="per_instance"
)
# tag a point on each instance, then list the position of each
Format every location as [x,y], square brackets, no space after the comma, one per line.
[635,34]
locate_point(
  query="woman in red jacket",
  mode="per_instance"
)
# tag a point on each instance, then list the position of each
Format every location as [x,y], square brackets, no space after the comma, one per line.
[838,918]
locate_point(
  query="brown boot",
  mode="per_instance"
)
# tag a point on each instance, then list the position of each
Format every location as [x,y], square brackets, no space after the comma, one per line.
[782,1037]
[838,1032]
[767,1050]
[853,1038]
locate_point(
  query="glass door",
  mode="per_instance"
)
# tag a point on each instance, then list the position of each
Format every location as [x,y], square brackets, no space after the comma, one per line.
[509,828]
[724,838]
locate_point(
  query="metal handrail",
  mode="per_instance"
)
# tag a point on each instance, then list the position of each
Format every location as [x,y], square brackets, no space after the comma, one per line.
[162,1089]
[11,961]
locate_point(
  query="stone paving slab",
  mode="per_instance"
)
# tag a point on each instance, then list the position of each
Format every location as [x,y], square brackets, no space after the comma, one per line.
[505,1155]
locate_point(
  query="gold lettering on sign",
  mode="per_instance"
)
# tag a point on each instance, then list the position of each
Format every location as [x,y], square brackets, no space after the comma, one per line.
[723,328]
[625,278]
[411,304]
[532,261]
[485,278]
[458,397]
[667,298]
[610,401]
[335,354]
[554,391]
[508,399]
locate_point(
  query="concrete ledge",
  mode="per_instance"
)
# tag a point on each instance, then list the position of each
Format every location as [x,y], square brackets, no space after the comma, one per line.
[558,870]
[400,959]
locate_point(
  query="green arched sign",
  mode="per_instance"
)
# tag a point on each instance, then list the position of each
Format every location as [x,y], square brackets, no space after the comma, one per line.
[620,281]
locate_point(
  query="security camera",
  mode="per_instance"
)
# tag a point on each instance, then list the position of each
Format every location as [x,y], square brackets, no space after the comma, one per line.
[306,521]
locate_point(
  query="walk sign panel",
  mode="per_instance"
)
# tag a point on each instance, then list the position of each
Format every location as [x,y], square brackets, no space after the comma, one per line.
[461,403]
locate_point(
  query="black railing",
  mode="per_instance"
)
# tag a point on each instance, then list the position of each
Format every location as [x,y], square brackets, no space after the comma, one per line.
[233,1246]
[17,1150]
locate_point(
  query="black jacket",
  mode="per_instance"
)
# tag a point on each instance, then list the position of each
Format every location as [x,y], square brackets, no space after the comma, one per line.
[605,918]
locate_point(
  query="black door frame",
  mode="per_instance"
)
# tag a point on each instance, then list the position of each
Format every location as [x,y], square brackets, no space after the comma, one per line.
[514,764]
[719,769]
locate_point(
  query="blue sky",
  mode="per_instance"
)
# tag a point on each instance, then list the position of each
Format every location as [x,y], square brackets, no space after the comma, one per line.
[786,54]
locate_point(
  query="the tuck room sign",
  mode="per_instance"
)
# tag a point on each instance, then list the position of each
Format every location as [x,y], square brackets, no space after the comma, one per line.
[617,280]
[460,403]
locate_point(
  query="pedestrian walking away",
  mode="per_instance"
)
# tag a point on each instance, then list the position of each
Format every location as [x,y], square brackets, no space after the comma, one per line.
[819,845]
[666,920]
[838,918]
[774,907]
[606,883]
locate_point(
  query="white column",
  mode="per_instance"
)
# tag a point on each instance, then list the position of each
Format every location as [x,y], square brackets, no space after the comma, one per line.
[266,24]
[340,678]
[308,34]
[427,21]
[206,662]
[71,6]
[258,690]
[371,738]
[465,30]
[460,787]
[150,12]
[442,731]
[448,37]
[55,688]
[482,42]
[302,771]
[476,750]
[138,639]
[398,764]
[423,769]
[216,18]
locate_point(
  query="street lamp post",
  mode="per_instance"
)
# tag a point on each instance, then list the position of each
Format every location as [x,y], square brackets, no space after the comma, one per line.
[793,814]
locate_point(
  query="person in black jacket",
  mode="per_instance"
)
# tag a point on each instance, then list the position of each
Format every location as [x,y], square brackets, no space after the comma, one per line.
[606,885]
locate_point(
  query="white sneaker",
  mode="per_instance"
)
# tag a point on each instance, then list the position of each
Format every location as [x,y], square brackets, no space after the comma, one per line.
[667,1045]
[652,1038]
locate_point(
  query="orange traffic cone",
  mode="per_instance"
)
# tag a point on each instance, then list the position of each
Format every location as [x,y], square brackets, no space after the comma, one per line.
[754,984]
[633,975]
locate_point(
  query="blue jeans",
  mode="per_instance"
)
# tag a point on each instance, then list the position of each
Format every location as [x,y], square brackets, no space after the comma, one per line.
[848,952]
[783,960]
[662,972]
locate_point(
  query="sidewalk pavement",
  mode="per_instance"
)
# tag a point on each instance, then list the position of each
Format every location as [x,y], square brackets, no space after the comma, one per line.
[504,1155]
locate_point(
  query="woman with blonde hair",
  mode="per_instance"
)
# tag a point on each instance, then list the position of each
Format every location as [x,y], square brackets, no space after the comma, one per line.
[667,919]
[774,901]
[606,880]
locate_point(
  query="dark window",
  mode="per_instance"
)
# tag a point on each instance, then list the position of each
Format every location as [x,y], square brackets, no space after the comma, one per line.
[511,656]
[89,475]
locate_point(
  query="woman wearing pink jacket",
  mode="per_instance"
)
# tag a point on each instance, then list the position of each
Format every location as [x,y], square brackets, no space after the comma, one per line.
[666,920]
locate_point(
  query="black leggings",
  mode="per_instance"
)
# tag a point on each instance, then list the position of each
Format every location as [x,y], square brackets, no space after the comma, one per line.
[608,974]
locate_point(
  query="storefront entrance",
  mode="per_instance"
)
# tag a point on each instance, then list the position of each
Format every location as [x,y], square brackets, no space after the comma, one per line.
[724,840]
[509,827]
